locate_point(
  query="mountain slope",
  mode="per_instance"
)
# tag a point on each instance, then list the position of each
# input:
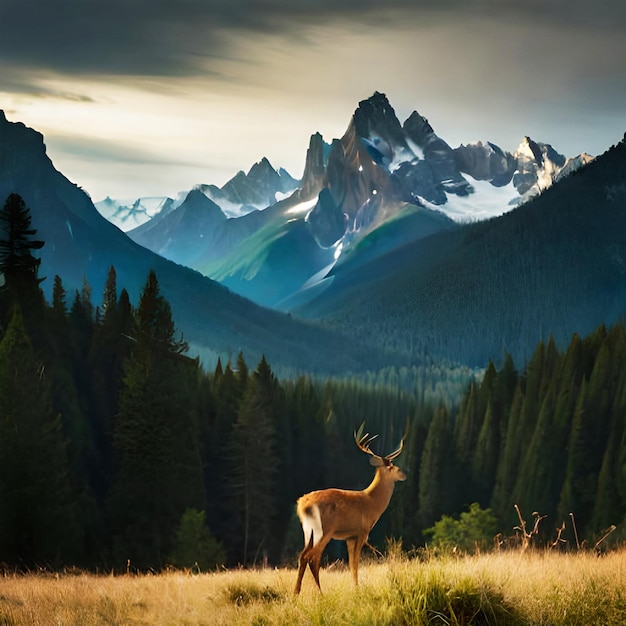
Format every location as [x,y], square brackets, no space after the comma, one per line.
[554,265]
[381,174]
[81,243]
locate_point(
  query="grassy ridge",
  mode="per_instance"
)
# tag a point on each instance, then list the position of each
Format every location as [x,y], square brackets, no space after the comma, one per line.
[507,588]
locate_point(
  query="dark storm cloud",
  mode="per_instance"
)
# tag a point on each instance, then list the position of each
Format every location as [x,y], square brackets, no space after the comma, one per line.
[166,38]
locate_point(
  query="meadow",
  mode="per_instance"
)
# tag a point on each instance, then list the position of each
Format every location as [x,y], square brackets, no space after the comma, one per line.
[507,588]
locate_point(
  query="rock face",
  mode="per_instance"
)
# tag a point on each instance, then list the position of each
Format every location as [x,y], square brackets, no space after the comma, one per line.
[438,155]
[485,161]
[532,167]
[327,222]
[314,167]
[538,165]
[380,164]
[257,189]
[182,234]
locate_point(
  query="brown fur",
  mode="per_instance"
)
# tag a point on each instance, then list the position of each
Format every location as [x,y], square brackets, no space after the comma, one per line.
[345,515]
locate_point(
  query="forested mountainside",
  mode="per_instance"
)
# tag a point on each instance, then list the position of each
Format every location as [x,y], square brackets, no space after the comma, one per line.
[548,439]
[81,246]
[555,265]
[119,452]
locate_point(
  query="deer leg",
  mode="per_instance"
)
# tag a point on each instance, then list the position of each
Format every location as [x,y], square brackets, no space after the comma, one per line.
[355,544]
[303,561]
[311,556]
[316,558]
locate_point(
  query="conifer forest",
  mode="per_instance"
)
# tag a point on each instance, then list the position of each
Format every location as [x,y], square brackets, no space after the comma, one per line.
[118,450]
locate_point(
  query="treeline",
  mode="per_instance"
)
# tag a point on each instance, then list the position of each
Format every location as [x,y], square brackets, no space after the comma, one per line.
[119,451]
[551,440]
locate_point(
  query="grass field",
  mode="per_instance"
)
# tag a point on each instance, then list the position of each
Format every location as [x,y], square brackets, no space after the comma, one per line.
[507,588]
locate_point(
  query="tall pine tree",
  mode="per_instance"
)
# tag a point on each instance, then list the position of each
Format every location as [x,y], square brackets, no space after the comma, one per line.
[18,266]
[39,520]
[159,473]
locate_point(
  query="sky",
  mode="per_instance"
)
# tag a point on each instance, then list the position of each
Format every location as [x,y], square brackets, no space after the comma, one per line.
[151,97]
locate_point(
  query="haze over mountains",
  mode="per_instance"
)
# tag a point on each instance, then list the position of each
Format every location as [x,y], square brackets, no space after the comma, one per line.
[397,247]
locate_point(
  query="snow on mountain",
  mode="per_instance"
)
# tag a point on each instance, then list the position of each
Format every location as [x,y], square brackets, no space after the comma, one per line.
[378,164]
[485,202]
[128,214]
[261,187]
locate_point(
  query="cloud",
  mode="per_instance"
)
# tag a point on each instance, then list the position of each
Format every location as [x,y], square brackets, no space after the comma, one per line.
[103,151]
[222,83]
[183,38]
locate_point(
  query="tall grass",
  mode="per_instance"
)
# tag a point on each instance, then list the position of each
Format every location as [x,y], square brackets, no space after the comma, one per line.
[505,589]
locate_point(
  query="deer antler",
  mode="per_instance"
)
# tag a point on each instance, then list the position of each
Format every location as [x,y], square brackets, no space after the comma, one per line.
[396,452]
[363,442]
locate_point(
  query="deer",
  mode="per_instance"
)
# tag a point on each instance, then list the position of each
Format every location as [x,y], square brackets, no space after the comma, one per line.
[344,514]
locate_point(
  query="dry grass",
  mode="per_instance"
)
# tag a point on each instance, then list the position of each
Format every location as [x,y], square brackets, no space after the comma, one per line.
[508,588]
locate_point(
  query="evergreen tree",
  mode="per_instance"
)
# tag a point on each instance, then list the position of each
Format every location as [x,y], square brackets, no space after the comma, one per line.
[521,426]
[18,266]
[486,456]
[532,487]
[59,302]
[111,346]
[437,487]
[254,467]
[109,297]
[39,521]
[159,473]
[588,440]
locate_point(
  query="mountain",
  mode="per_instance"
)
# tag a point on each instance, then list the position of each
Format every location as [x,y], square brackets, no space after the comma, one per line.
[128,214]
[80,243]
[555,265]
[261,187]
[380,186]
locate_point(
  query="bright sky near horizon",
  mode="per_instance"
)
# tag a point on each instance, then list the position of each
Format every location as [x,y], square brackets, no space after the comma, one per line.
[150,97]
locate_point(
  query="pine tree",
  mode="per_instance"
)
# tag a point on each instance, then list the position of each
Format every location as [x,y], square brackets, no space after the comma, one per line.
[588,439]
[486,456]
[109,297]
[159,473]
[18,266]
[59,302]
[39,521]
[252,477]
[437,487]
[521,426]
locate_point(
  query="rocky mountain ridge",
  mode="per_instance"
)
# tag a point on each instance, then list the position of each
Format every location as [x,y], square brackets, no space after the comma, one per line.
[380,173]
[80,244]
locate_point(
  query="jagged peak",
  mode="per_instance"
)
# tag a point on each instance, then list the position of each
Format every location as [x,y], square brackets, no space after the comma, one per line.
[529,148]
[374,112]
[378,99]
[263,164]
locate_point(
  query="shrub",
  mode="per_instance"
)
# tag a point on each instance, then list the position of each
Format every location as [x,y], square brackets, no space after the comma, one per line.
[472,531]
[194,545]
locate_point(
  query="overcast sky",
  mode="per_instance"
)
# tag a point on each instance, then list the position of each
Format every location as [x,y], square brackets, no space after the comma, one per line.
[149,97]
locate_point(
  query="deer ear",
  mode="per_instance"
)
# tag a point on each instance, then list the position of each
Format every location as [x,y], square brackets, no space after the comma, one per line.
[376,461]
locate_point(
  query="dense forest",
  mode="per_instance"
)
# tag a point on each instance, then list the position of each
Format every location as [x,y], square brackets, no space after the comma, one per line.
[118,450]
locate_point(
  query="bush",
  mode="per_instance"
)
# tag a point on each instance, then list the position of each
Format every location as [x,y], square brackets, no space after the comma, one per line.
[194,546]
[474,530]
